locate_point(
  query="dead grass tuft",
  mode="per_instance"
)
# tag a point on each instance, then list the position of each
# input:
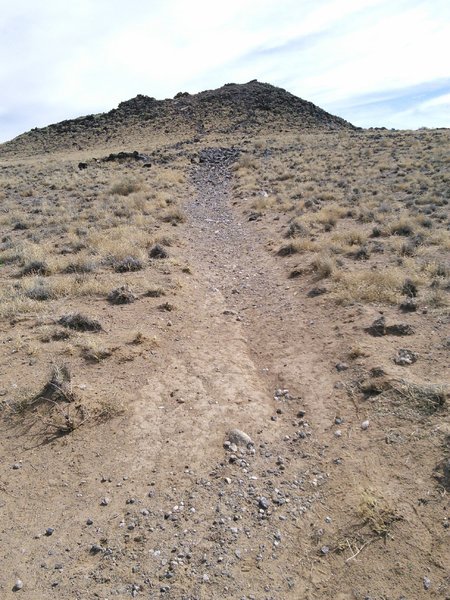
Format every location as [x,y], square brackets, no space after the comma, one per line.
[80,322]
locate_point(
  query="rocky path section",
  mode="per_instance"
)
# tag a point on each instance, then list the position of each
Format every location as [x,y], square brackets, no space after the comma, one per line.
[236,516]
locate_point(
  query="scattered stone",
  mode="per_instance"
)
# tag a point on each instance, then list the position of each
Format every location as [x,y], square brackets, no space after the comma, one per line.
[338,421]
[378,327]
[16,466]
[18,585]
[316,291]
[325,550]
[341,366]
[338,433]
[82,166]
[105,501]
[426,583]
[96,549]
[219,156]
[405,357]
[263,503]
[400,329]
[49,531]
[240,438]
[127,156]
[89,521]
[365,424]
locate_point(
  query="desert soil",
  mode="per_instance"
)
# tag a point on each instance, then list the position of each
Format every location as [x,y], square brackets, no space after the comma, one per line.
[335,498]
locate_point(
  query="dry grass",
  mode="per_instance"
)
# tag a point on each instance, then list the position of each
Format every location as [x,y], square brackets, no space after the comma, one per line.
[378,201]
[71,233]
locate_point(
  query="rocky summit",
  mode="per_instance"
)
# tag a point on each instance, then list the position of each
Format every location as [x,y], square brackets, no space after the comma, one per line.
[230,109]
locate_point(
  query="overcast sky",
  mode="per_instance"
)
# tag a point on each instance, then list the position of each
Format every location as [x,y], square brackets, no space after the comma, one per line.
[373,62]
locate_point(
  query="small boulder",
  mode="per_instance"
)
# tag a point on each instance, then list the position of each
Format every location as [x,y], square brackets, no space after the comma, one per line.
[400,329]
[240,438]
[405,357]
[378,327]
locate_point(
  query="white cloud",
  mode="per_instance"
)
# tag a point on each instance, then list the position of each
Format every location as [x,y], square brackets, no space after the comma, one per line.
[60,60]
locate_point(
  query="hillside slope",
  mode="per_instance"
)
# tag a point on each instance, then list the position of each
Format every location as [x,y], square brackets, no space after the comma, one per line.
[233,108]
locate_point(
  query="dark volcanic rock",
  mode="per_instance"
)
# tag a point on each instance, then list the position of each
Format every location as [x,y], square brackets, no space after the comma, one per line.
[378,327]
[248,108]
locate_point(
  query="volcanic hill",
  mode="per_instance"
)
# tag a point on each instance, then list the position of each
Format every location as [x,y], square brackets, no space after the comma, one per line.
[231,109]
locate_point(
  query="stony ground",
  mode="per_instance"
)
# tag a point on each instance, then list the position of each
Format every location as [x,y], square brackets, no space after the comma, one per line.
[339,490]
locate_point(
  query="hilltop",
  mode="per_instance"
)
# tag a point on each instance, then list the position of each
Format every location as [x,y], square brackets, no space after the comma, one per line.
[231,109]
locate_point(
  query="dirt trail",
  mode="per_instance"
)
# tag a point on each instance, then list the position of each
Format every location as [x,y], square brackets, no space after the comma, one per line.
[229,254]
[240,330]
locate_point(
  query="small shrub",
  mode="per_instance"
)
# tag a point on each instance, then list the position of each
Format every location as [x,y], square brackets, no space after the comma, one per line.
[287,250]
[155,293]
[35,267]
[158,251]
[402,227]
[129,263]
[121,295]
[323,266]
[174,217]
[40,291]
[79,322]
[125,187]
[80,267]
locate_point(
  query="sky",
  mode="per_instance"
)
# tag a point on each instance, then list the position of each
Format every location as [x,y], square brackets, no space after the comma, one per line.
[373,62]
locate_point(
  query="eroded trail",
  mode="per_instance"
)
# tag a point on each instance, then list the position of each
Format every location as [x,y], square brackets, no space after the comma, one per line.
[231,258]
[239,335]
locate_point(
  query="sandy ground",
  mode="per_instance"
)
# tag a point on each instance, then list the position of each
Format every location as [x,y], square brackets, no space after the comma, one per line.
[149,503]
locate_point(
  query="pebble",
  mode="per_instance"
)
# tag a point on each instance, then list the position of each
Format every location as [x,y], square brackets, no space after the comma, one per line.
[89,521]
[16,466]
[426,583]
[338,421]
[365,424]
[240,438]
[18,585]
[324,550]
[263,503]
[49,531]
[105,501]
[341,366]
[338,433]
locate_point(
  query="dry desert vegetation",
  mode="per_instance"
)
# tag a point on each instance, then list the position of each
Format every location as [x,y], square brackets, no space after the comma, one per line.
[224,359]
